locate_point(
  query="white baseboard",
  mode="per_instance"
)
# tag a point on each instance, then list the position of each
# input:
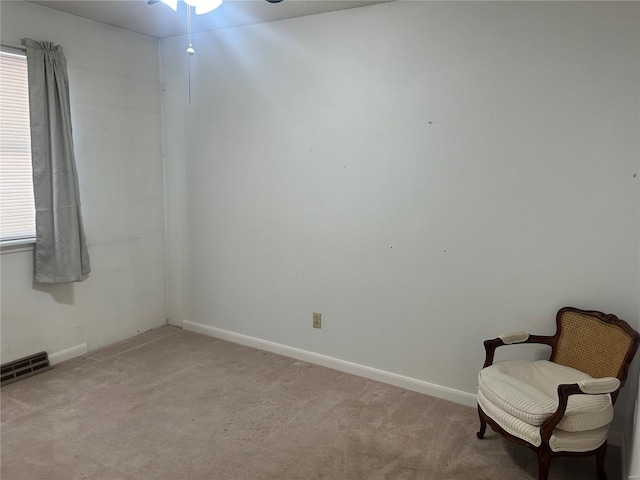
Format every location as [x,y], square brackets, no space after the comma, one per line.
[615,439]
[408,383]
[68,353]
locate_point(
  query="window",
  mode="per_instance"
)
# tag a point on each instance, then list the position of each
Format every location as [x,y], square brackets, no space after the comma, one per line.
[17,209]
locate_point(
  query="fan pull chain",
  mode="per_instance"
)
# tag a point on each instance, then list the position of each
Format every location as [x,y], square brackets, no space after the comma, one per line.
[190,49]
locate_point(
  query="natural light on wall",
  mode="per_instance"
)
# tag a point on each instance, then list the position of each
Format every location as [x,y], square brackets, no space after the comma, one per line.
[17,210]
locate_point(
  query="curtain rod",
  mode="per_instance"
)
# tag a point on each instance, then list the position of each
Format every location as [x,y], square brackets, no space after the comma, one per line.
[22,48]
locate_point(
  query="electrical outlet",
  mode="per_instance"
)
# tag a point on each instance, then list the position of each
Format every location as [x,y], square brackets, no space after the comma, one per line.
[317,320]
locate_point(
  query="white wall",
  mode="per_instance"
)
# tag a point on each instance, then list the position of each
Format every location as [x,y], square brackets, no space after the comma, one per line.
[116,114]
[634,456]
[425,174]
[633,449]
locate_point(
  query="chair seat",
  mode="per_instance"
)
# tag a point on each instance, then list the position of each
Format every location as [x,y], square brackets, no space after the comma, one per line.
[527,391]
[560,441]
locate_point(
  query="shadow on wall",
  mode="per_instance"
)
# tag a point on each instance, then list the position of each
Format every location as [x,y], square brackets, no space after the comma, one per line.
[61,293]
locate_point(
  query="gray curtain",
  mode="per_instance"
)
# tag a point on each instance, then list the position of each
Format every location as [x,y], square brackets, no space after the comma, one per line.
[61,254]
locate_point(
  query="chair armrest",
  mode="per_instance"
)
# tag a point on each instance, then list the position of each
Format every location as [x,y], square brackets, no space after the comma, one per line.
[595,386]
[598,386]
[511,339]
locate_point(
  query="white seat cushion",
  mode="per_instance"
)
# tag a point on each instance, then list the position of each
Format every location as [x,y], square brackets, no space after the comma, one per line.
[560,441]
[528,391]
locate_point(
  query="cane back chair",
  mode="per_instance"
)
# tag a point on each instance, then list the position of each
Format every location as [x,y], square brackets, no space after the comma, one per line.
[562,406]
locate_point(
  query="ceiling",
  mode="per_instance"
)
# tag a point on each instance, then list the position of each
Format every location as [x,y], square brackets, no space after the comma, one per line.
[160,21]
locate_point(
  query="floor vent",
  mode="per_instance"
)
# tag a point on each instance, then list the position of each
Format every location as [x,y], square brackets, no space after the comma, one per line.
[24,368]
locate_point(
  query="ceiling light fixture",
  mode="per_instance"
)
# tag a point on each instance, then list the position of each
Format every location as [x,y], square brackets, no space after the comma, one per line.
[201,6]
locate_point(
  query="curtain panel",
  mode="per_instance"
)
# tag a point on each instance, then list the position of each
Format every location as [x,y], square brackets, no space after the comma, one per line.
[61,254]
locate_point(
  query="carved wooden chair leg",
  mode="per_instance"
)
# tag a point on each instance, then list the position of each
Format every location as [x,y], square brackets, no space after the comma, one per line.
[544,461]
[483,425]
[600,453]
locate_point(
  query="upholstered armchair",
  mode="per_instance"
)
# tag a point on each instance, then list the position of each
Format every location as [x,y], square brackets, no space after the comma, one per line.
[560,406]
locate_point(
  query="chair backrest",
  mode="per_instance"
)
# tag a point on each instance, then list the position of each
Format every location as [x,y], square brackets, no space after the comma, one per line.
[596,343]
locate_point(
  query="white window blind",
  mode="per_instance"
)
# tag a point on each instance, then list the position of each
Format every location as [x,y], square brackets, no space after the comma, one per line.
[17,209]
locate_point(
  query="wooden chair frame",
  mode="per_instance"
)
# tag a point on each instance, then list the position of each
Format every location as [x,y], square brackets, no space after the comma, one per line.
[545,454]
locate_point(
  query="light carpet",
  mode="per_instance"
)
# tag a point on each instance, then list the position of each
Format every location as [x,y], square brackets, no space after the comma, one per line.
[171,404]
